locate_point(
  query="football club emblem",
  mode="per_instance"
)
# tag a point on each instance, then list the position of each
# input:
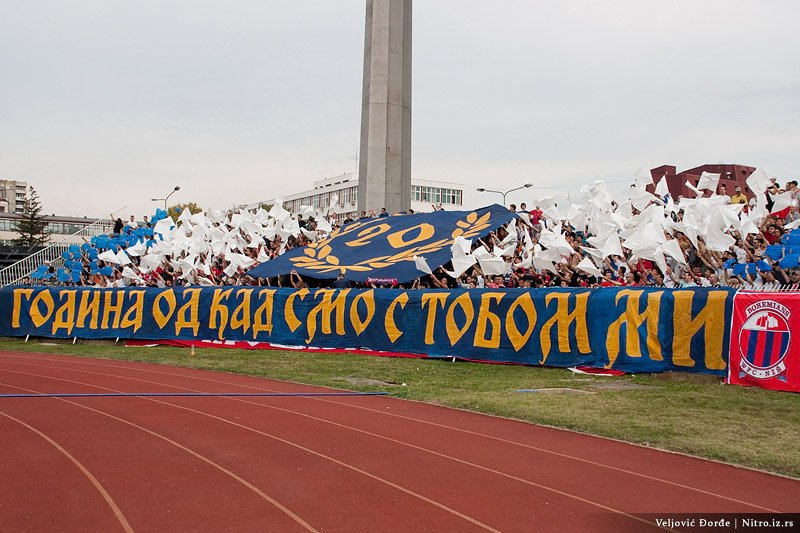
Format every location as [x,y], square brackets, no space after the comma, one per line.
[764,340]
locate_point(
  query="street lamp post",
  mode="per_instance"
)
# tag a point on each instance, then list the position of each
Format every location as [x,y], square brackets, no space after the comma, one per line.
[504,194]
[176,189]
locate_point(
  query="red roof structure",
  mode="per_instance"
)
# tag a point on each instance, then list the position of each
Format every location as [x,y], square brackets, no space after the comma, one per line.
[730,176]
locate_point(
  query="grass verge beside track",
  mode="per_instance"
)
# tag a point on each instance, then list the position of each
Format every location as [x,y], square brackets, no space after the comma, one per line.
[681,412]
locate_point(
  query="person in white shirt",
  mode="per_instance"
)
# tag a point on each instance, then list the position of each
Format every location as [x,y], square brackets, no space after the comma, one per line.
[670,280]
[723,191]
[687,280]
[132,223]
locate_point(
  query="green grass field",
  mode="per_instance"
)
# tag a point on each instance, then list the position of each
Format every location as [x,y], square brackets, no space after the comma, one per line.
[687,413]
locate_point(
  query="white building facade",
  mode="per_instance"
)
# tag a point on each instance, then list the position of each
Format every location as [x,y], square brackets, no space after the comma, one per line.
[426,195]
[12,196]
[61,228]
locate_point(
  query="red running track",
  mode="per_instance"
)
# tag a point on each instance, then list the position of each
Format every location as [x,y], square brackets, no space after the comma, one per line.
[361,463]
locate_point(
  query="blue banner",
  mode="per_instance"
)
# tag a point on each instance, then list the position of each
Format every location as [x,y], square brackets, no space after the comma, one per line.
[630,329]
[385,247]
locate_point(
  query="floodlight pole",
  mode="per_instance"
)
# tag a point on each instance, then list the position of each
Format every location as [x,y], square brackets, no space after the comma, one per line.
[504,194]
[176,189]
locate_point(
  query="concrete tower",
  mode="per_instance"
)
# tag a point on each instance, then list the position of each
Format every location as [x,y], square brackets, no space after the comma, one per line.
[384,171]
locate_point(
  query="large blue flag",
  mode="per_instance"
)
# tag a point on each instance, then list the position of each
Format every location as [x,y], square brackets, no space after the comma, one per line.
[633,329]
[385,247]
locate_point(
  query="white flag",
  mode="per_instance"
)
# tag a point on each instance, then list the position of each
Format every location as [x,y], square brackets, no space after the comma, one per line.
[422,265]
[587,266]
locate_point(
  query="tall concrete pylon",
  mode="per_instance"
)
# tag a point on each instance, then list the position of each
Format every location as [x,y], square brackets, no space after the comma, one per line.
[384,170]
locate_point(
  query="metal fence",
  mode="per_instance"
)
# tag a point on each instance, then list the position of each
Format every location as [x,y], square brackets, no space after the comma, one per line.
[53,253]
[782,288]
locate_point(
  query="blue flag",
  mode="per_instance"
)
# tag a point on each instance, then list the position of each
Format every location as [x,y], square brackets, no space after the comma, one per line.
[385,247]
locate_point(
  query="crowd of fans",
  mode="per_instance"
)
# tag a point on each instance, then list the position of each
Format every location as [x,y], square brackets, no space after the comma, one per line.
[648,240]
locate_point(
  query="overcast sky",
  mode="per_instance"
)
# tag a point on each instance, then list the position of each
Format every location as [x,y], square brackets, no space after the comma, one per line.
[105,104]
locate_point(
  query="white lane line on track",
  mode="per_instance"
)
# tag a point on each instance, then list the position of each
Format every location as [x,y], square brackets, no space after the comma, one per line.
[248,428]
[421,421]
[85,471]
[402,443]
[184,448]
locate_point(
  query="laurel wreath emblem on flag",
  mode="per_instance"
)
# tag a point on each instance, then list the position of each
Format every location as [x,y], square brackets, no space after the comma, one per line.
[320,257]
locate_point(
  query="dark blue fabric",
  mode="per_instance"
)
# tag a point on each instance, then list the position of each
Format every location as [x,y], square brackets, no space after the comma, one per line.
[385,247]
[635,330]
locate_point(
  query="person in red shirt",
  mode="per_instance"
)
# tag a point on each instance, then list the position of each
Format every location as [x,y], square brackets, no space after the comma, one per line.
[772,234]
[536,215]
[608,280]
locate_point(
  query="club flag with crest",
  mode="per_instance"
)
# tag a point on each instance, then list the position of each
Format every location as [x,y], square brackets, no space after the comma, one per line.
[763,351]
